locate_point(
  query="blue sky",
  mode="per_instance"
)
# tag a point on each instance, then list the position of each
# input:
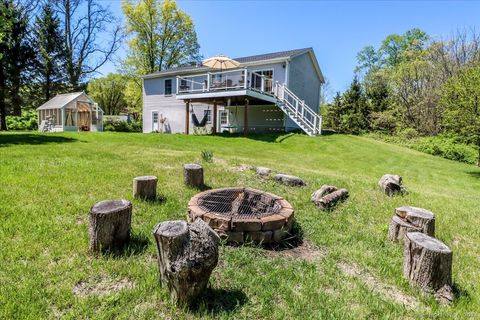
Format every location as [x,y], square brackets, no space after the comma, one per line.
[336,30]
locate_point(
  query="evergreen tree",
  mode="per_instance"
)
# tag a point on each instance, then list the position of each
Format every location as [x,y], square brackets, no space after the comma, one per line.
[51,52]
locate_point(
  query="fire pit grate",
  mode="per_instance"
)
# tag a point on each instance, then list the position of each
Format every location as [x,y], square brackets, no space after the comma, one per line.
[242,214]
[239,202]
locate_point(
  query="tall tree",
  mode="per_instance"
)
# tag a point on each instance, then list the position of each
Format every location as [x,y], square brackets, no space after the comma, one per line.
[92,35]
[461,105]
[51,54]
[17,59]
[161,35]
[108,92]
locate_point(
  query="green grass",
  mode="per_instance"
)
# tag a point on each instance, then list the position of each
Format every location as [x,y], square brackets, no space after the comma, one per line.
[49,182]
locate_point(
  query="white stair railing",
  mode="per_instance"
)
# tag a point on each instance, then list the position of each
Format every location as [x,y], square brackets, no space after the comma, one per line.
[297,110]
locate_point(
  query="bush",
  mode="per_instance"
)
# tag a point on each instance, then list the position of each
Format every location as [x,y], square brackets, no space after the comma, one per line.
[445,146]
[27,121]
[207,155]
[122,126]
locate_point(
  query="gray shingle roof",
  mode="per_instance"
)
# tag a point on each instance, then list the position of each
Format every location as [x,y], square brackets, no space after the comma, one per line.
[59,101]
[256,58]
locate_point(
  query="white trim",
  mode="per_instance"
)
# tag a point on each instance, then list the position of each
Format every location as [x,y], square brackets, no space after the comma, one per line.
[227,93]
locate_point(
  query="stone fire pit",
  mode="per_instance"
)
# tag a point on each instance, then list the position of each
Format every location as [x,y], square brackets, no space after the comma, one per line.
[243,214]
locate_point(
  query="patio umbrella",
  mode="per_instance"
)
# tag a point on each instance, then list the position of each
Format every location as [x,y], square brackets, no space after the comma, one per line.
[221,62]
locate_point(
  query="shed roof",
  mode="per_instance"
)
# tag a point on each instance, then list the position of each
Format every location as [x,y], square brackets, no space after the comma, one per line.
[60,100]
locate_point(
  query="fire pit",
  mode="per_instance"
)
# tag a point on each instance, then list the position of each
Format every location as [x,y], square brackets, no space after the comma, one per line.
[243,214]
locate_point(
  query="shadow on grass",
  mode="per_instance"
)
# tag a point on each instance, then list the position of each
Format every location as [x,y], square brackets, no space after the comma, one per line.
[475,174]
[458,292]
[293,240]
[29,138]
[159,199]
[264,137]
[216,301]
[137,245]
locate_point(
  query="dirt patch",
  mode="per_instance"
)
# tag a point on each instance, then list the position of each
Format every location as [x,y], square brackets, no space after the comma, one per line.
[242,167]
[304,251]
[101,286]
[391,292]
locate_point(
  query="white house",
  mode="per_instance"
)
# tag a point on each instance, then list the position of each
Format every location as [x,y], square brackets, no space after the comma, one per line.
[269,92]
[70,112]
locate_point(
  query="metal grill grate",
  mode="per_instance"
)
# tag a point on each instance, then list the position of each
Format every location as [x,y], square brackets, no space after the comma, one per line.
[240,203]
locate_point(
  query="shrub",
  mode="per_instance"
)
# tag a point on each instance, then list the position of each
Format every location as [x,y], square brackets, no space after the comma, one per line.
[207,155]
[122,126]
[27,121]
[407,133]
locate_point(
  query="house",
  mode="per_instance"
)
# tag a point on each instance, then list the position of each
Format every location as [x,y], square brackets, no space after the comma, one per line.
[269,92]
[70,112]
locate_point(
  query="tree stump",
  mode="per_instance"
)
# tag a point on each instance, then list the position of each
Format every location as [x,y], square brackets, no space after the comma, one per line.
[110,223]
[145,187]
[398,228]
[187,255]
[428,264]
[331,199]
[320,193]
[193,175]
[390,184]
[263,171]
[420,218]
[289,180]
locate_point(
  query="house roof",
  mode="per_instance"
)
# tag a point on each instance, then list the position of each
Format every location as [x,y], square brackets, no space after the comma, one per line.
[244,60]
[60,100]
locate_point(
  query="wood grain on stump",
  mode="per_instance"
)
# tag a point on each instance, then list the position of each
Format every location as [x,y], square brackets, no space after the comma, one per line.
[187,255]
[110,223]
[320,193]
[418,217]
[409,219]
[289,180]
[193,175]
[428,263]
[145,187]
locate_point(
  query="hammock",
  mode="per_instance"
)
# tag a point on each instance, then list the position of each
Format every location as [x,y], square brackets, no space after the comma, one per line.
[195,120]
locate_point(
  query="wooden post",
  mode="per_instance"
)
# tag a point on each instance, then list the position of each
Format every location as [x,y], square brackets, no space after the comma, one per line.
[145,187]
[245,120]
[214,117]
[187,116]
[110,223]
[187,255]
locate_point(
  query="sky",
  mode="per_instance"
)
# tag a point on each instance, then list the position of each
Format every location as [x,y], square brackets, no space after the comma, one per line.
[336,30]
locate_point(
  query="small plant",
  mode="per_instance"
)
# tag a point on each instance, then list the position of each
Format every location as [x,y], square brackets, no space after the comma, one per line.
[207,155]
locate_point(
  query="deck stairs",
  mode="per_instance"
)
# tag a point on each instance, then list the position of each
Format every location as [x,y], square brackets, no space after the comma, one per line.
[304,116]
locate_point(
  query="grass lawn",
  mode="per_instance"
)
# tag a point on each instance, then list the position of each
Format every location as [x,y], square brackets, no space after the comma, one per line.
[347,270]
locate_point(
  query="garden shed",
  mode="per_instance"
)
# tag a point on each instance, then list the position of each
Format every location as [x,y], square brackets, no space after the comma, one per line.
[70,112]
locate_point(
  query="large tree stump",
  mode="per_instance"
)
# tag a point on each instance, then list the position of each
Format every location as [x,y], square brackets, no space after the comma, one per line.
[409,219]
[193,175]
[187,255]
[391,184]
[145,187]
[110,222]
[428,264]
[420,218]
[289,180]
[331,199]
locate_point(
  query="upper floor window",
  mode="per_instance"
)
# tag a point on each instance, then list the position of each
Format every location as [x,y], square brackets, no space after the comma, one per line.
[168,87]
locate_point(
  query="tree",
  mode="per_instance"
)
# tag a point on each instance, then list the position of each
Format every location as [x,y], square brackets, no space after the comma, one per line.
[86,25]
[108,92]
[460,102]
[162,36]
[17,58]
[51,51]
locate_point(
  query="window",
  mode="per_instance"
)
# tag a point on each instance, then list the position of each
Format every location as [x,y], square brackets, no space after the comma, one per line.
[155,121]
[208,114]
[168,87]
[223,117]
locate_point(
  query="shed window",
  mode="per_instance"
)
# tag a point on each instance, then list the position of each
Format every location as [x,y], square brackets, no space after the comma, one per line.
[168,87]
